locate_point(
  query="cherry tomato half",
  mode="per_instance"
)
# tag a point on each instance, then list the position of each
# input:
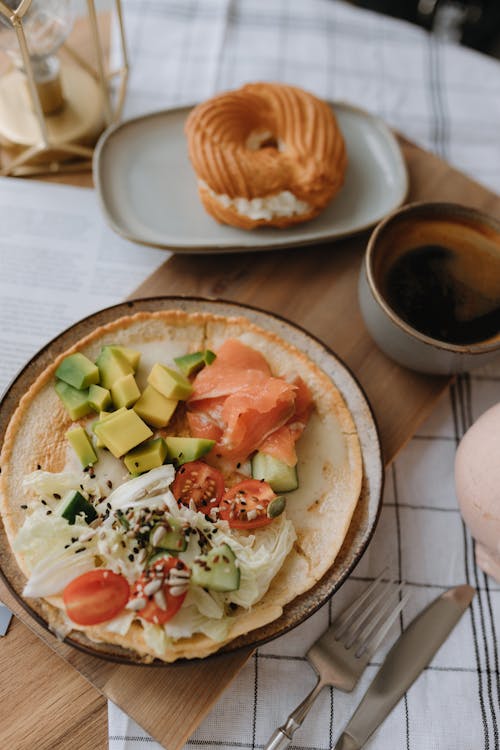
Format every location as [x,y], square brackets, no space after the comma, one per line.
[198,482]
[162,606]
[96,596]
[248,498]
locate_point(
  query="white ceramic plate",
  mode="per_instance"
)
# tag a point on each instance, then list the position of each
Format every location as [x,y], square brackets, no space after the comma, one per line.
[148,190]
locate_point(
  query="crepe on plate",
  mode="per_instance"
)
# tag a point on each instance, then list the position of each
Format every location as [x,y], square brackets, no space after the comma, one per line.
[329,464]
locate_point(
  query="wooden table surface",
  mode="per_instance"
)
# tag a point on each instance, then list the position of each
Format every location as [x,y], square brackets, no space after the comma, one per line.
[46,703]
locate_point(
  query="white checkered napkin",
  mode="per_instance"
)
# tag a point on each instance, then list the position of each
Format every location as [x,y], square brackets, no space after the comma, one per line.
[448,99]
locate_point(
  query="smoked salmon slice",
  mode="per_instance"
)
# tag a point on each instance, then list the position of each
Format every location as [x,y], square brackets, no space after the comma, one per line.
[281,443]
[237,402]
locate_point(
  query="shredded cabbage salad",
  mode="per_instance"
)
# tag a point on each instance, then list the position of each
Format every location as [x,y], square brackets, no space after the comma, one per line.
[55,551]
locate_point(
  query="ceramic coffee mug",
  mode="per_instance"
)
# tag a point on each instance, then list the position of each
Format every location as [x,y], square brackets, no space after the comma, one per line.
[429,287]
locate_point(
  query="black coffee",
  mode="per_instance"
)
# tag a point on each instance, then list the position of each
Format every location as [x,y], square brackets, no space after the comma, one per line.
[423,288]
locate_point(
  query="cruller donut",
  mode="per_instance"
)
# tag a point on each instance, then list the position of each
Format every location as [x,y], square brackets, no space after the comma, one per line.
[266,155]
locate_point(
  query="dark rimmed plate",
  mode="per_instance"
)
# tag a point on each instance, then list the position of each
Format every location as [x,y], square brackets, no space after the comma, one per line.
[367,510]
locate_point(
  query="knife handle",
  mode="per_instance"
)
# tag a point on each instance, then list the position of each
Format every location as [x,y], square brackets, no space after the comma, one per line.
[283,736]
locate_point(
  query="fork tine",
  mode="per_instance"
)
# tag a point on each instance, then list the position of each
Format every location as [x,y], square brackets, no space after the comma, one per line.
[375,639]
[356,622]
[380,608]
[344,618]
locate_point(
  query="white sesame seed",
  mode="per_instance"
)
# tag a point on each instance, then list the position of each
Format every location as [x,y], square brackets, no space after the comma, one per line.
[136,604]
[160,599]
[178,590]
[158,535]
[152,587]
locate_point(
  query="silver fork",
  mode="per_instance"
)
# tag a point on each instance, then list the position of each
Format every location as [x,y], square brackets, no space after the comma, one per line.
[341,654]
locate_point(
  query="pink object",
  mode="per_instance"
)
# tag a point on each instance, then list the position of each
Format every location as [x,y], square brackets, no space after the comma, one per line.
[477,481]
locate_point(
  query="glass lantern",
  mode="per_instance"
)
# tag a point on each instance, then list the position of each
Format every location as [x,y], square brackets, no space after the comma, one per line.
[58,90]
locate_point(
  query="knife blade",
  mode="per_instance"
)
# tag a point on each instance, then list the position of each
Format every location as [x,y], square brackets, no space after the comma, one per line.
[5,618]
[408,657]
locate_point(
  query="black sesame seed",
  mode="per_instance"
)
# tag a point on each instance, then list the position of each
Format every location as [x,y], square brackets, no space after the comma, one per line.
[238,465]
[136,463]
[109,483]
[80,549]
[44,502]
[108,505]
[48,512]
[66,546]
[86,468]
[38,467]
[24,507]
[56,495]
[131,558]
[136,550]
[81,486]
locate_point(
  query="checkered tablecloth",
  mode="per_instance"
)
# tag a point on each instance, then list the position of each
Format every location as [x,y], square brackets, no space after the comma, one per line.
[447,99]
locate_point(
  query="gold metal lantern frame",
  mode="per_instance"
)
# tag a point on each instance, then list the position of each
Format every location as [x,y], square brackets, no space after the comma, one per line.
[41,137]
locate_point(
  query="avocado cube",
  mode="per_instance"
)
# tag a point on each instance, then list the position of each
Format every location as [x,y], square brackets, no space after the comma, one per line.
[102,418]
[77,370]
[73,504]
[99,397]
[122,431]
[189,364]
[132,357]
[181,450]
[76,402]
[125,391]
[112,365]
[80,442]
[170,383]
[148,456]
[154,408]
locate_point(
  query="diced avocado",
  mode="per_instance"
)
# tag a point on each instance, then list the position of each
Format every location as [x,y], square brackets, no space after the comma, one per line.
[125,391]
[102,418]
[112,365]
[147,456]
[99,398]
[184,449]
[80,442]
[76,402]
[170,383]
[278,474]
[72,504]
[122,431]
[132,357]
[154,408]
[169,535]
[189,364]
[77,370]
[217,570]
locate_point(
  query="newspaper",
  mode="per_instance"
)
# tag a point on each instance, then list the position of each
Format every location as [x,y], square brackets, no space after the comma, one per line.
[58,263]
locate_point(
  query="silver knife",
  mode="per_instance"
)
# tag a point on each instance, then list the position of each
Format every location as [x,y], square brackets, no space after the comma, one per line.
[403,664]
[5,618]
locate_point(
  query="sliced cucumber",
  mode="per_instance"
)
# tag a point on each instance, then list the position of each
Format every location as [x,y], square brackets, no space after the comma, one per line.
[169,535]
[217,570]
[279,475]
[72,504]
[162,555]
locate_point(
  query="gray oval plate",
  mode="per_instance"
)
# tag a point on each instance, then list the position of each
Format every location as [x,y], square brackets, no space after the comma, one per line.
[148,191]
[366,512]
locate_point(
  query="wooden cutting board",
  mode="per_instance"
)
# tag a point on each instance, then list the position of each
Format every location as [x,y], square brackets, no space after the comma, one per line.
[46,698]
